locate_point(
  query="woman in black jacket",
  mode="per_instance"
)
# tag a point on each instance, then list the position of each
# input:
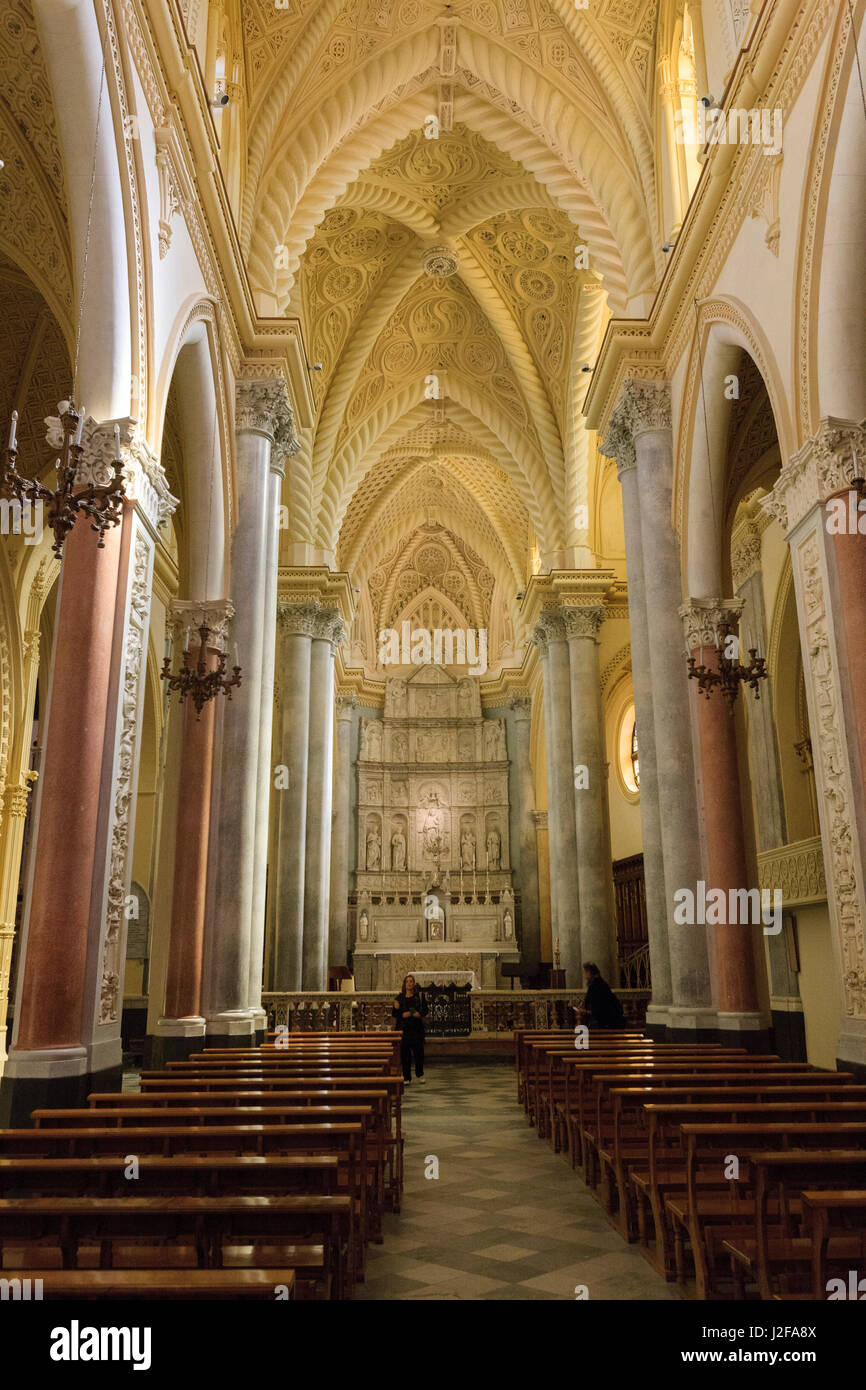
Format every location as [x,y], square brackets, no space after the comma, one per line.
[409,1009]
[601,1005]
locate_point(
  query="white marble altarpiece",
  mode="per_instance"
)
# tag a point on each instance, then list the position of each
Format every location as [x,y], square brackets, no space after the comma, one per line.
[434,859]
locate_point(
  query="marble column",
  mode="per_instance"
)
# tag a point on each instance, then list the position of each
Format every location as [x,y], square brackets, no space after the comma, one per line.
[295,622]
[261,410]
[180,1029]
[527,836]
[723,820]
[619,443]
[285,446]
[821,468]
[328,634]
[644,411]
[339,892]
[550,637]
[68,1005]
[592,826]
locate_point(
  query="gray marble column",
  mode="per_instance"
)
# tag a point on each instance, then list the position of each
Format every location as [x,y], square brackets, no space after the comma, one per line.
[619,443]
[564,901]
[295,623]
[259,408]
[645,410]
[339,929]
[595,881]
[527,837]
[285,445]
[328,633]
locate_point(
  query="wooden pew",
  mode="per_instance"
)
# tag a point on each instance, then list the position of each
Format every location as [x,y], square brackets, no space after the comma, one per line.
[771,1253]
[831,1215]
[746,1204]
[108,1285]
[209,1224]
[190,1175]
[523,1037]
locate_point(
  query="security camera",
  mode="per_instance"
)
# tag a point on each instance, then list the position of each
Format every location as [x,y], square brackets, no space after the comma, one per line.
[220,100]
[586,368]
[668,246]
[707,102]
[318,367]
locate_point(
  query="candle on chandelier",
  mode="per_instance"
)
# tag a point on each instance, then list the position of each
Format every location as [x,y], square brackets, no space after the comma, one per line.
[13,430]
[80,430]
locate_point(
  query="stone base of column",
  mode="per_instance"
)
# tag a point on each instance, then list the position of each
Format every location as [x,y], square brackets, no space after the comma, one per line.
[59,1078]
[657,1021]
[692,1025]
[851,1051]
[750,1030]
[260,1026]
[175,1040]
[235,1028]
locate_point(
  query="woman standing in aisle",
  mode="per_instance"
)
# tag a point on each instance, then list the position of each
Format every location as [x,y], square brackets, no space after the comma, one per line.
[409,1010]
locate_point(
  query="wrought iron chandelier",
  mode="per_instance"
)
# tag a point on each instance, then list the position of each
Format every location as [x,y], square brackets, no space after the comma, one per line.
[198,682]
[101,501]
[730,673]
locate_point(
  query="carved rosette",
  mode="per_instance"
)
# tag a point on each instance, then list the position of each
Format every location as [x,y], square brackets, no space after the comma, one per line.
[584,621]
[702,619]
[440,262]
[824,465]
[124,776]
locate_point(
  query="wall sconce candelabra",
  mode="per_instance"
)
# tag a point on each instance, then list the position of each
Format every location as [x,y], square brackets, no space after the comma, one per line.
[196,681]
[729,673]
[101,501]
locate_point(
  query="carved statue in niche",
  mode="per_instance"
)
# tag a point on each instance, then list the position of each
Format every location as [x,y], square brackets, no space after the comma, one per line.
[432,829]
[494,741]
[466,793]
[363,925]
[464,697]
[467,850]
[372,741]
[508,926]
[400,748]
[374,848]
[399,793]
[398,850]
[494,848]
[397,689]
[466,746]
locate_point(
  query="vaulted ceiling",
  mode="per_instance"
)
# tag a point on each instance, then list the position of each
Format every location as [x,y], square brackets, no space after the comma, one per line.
[452,199]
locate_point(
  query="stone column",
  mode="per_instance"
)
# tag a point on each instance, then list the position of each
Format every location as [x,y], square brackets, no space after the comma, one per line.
[295,622]
[181,1028]
[328,634]
[527,836]
[261,410]
[67,1017]
[285,446]
[595,880]
[644,410]
[339,927]
[550,638]
[723,821]
[821,468]
[619,443]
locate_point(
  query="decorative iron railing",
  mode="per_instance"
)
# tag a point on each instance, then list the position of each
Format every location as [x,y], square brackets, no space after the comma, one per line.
[491,1011]
[634,970]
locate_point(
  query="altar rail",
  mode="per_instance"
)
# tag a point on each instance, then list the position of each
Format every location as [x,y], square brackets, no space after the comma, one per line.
[493,1011]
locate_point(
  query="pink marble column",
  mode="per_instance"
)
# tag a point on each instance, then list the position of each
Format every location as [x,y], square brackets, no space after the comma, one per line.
[54,987]
[723,827]
[849,561]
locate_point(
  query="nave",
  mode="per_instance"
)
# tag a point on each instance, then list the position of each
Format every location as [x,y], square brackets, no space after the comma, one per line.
[506,1218]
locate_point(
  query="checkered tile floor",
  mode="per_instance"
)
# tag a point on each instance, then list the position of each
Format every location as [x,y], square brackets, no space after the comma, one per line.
[506,1218]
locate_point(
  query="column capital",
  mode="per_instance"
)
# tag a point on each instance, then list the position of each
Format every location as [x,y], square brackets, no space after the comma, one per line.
[186,613]
[146,483]
[550,627]
[262,407]
[344,706]
[643,405]
[583,620]
[521,703]
[143,475]
[312,620]
[823,465]
[703,617]
[618,443]
[745,553]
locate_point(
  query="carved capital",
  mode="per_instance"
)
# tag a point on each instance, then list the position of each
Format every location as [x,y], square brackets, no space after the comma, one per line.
[824,465]
[549,628]
[745,553]
[703,619]
[584,621]
[521,704]
[263,407]
[191,613]
[345,704]
[146,483]
[619,443]
[312,620]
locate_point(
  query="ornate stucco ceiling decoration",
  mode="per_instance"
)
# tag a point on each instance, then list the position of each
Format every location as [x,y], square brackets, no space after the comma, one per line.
[752,430]
[429,560]
[34,366]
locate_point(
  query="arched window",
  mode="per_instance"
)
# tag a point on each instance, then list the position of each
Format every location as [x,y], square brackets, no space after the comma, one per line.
[635,759]
[628,761]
